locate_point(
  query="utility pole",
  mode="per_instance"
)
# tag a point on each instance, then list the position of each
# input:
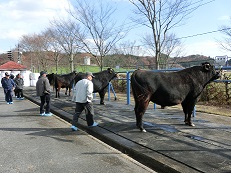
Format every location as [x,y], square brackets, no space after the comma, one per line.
[10,55]
[19,55]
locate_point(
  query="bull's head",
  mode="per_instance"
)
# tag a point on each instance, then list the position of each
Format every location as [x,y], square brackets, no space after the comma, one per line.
[111,71]
[207,67]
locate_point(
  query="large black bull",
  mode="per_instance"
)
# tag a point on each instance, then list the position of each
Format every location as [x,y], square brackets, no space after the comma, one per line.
[168,89]
[100,81]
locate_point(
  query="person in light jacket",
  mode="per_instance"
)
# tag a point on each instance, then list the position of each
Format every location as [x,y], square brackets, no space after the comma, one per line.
[83,96]
[43,90]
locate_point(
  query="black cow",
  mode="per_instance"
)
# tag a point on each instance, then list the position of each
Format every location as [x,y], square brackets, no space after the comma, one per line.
[51,78]
[168,89]
[63,81]
[100,81]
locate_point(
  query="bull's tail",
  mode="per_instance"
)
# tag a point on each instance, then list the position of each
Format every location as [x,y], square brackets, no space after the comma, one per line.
[139,92]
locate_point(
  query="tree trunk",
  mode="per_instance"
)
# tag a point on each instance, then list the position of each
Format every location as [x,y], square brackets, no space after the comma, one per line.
[71,62]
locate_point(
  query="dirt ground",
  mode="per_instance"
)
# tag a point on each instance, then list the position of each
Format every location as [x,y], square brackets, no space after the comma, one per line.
[200,106]
[215,109]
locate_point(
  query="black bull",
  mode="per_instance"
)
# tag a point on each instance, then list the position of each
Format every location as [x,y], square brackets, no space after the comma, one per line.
[61,81]
[100,81]
[168,89]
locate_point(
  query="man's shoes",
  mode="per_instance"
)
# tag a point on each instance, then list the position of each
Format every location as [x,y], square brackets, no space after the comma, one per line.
[21,98]
[8,103]
[73,128]
[94,124]
[11,102]
[42,114]
[48,114]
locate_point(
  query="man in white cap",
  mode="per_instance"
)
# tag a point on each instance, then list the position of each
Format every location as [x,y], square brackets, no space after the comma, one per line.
[83,96]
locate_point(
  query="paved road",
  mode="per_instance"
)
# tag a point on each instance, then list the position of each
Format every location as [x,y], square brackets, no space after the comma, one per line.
[168,146]
[31,143]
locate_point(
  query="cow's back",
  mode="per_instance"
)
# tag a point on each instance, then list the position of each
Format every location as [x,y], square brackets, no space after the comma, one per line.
[163,88]
[65,79]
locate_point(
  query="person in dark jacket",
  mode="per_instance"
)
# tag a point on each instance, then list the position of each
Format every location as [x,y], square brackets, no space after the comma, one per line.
[43,90]
[12,76]
[19,86]
[8,86]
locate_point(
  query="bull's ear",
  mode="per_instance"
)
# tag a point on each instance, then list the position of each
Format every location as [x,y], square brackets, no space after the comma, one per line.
[206,66]
[110,70]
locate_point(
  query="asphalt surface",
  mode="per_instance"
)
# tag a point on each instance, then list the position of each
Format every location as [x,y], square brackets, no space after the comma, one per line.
[167,146]
[32,143]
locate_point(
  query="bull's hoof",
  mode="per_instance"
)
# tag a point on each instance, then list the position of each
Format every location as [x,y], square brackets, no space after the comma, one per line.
[191,124]
[102,103]
[143,130]
[115,98]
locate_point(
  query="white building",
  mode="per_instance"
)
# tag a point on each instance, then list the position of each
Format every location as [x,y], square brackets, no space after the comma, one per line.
[87,60]
[15,68]
[222,60]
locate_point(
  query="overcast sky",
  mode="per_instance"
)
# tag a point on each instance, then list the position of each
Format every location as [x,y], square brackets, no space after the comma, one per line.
[22,17]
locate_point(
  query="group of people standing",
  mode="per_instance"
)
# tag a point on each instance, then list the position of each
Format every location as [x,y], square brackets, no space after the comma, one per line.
[12,85]
[82,96]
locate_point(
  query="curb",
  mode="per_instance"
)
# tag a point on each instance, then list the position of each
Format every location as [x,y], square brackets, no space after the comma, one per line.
[156,161]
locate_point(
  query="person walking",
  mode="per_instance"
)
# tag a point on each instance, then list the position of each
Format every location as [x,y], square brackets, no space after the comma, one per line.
[19,86]
[43,90]
[8,86]
[83,96]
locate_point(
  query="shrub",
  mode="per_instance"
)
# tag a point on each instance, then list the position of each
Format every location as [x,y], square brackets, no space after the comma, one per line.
[218,93]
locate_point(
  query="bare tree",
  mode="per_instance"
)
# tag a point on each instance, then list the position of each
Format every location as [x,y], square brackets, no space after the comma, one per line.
[129,51]
[35,45]
[52,46]
[100,31]
[64,34]
[161,16]
[171,47]
[226,42]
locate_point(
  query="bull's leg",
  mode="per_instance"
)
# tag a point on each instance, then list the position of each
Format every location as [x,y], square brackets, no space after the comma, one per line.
[58,91]
[69,91]
[140,108]
[66,91]
[190,121]
[185,110]
[102,95]
[188,109]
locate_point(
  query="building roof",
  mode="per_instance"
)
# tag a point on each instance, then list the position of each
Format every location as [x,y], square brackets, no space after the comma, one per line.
[11,65]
